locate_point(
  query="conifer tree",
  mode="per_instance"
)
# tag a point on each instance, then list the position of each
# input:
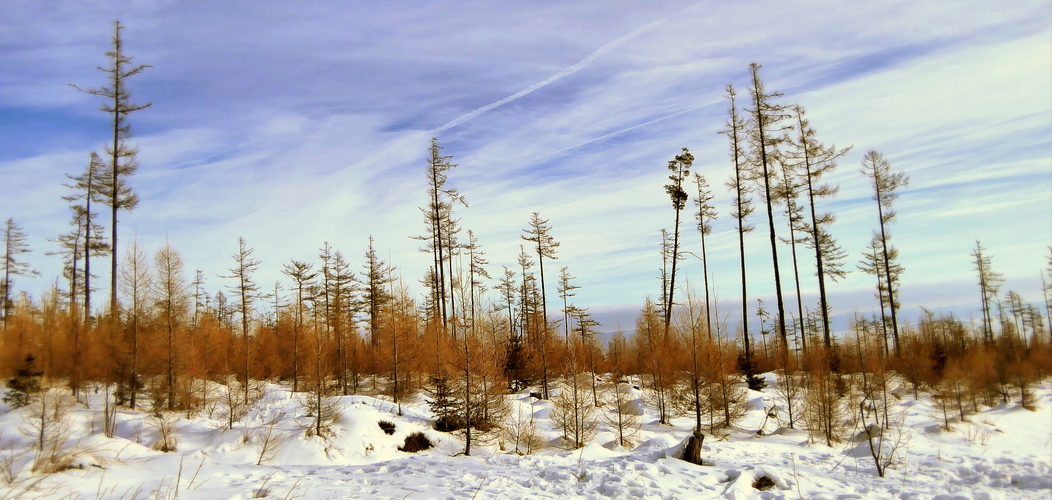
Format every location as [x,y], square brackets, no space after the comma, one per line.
[698,348]
[620,416]
[818,160]
[529,310]
[136,281]
[247,291]
[788,190]
[439,222]
[585,326]
[651,340]
[506,287]
[87,188]
[766,136]
[476,271]
[873,263]
[565,289]
[515,354]
[14,245]
[173,305]
[450,231]
[742,207]
[118,194]
[989,285]
[466,339]
[539,233]
[322,294]
[680,168]
[705,215]
[526,306]
[69,245]
[762,314]
[885,183]
[403,328]
[342,287]
[377,277]
[303,274]
[666,254]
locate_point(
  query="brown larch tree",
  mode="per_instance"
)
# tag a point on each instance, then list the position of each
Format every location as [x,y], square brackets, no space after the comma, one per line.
[303,275]
[247,291]
[14,245]
[172,304]
[136,283]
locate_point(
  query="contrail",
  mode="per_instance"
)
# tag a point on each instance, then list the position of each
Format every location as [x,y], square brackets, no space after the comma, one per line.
[398,143]
[551,79]
[402,144]
[620,131]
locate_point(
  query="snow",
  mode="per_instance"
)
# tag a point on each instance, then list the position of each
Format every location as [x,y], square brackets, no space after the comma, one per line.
[1000,453]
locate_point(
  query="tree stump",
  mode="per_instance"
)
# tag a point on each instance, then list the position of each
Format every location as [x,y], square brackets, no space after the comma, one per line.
[692,452]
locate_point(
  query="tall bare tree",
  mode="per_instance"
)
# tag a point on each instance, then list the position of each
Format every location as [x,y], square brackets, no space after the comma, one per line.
[86,189]
[741,207]
[705,215]
[989,286]
[438,219]
[766,134]
[885,183]
[680,168]
[817,161]
[788,190]
[123,162]
[539,233]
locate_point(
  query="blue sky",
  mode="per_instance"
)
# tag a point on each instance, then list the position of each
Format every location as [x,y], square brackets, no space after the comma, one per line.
[292,124]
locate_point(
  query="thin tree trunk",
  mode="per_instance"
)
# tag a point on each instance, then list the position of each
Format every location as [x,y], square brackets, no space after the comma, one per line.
[761,128]
[544,326]
[887,274]
[705,272]
[672,278]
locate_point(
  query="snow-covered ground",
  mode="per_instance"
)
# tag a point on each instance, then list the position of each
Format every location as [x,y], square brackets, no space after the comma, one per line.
[1002,452]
